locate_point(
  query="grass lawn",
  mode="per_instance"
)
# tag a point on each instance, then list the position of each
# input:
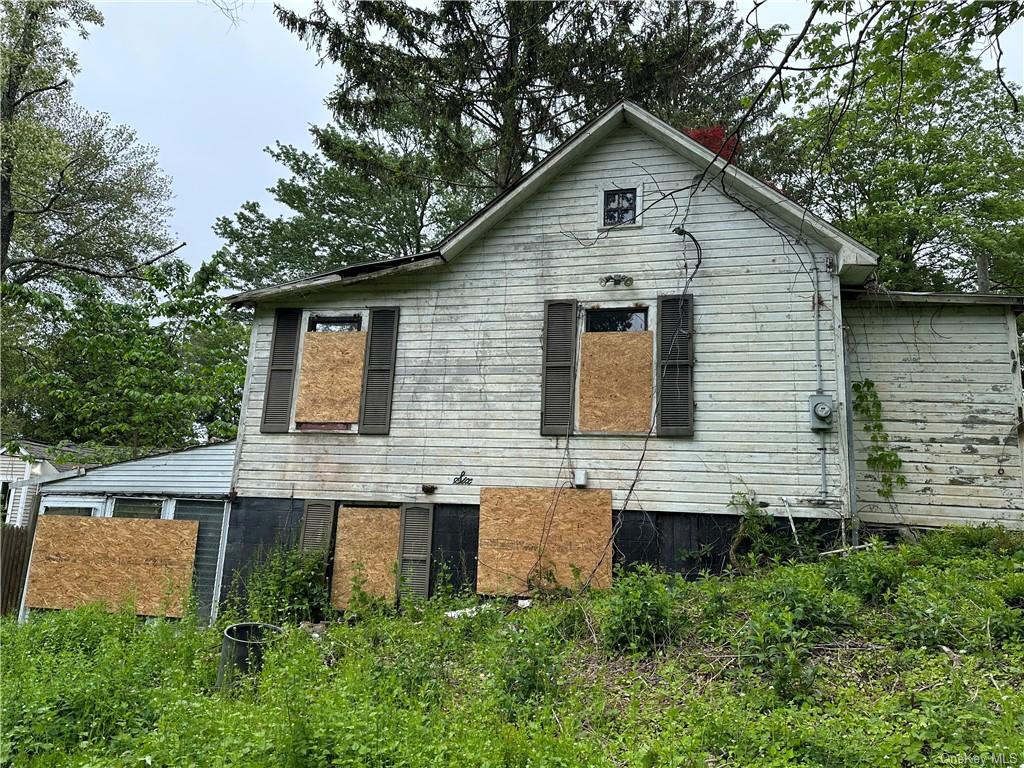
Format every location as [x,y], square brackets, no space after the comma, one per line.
[887,657]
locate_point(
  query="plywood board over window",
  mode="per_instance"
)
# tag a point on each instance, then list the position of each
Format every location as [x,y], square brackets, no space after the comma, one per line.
[543,537]
[616,382]
[366,540]
[82,560]
[331,378]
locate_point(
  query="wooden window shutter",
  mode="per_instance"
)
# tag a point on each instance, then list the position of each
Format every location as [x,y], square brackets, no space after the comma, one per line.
[414,549]
[558,372]
[379,372]
[317,523]
[675,365]
[284,348]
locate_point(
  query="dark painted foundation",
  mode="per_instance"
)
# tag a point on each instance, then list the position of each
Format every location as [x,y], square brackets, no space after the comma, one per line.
[671,541]
[255,526]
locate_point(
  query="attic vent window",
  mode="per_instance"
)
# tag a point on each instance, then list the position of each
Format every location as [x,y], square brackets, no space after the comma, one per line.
[619,207]
[335,324]
[633,319]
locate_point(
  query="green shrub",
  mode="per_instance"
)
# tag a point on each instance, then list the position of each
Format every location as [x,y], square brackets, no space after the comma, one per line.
[638,615]
[287,586]
[873,574]
[528,668]
[774,643]
[804,592]
[932,610]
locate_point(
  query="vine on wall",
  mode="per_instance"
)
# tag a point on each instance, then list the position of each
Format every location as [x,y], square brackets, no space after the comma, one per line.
[882,459]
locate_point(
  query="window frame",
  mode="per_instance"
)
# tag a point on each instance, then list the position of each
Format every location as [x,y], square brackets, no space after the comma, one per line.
[652,319]
[309,317]
[614,186]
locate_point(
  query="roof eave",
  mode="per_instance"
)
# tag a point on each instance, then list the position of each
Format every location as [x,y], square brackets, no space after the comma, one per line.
[1011,300]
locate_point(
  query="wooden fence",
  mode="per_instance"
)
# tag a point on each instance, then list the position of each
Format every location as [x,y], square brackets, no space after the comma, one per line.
[15,544]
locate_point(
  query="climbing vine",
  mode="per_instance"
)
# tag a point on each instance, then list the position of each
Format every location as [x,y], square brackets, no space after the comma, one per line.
[882,459]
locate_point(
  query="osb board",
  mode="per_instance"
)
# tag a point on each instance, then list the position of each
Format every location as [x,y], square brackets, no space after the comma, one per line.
[331,380]
[367,537]
[82,560]
[512,527]
[616,375]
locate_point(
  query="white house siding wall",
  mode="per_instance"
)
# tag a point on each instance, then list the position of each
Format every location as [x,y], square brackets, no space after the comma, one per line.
[202,471]
[950,388]
[468,372]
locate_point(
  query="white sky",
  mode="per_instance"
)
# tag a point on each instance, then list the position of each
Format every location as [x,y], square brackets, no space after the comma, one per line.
[211,95]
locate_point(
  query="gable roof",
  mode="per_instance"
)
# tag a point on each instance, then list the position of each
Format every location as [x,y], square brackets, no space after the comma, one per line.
[855,261]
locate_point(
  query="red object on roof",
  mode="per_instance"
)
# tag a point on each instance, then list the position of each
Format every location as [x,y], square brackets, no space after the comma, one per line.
[713,137]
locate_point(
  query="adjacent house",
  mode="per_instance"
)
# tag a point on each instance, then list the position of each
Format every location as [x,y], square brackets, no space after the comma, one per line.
[22,464]
[598,366]
[152,530]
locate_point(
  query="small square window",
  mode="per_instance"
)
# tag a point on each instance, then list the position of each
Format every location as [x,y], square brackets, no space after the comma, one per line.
[619,207]
[335,324]
[631,319]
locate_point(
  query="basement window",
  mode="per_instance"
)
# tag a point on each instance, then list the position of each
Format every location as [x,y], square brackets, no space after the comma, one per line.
[630,319]
[619,207]
[335,324]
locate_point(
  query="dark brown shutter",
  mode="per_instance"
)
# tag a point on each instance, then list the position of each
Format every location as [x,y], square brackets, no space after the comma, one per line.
[277,397]
[414,549]
[558,370]
[379,372]
[317,522]
[675,365]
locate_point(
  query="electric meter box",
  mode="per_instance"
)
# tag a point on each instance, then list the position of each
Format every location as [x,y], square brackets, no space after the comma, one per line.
[822,410]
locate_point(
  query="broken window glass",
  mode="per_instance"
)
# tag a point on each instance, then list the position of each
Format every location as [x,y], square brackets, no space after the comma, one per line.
[631,319]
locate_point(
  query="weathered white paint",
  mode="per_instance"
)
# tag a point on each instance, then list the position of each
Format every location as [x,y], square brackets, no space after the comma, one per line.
[467,386]
[202,471]
[854,262]
[950,386]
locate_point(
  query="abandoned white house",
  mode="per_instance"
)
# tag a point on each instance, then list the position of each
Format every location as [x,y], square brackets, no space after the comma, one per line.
[594,365]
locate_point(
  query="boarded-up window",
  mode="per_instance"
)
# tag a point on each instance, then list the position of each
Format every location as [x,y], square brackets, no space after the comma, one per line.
[543,537]
[379,372]
[558,367]
[675,365]
[616,371]
[366,547]
[331,376]
[414,549]
[317,523]
[277,397]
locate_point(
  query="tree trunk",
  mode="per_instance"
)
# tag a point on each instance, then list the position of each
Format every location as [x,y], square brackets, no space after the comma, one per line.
[9,98]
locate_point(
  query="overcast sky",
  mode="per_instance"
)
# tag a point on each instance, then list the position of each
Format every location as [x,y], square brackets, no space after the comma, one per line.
[211,95]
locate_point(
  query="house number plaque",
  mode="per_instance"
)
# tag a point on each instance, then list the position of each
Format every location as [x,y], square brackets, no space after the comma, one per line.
[462,479]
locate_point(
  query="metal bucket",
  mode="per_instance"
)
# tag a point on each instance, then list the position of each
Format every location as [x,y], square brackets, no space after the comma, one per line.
[241,650]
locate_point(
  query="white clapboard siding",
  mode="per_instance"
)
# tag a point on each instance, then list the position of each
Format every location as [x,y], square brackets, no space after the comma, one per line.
[950,390]
[202,471]
[468,370]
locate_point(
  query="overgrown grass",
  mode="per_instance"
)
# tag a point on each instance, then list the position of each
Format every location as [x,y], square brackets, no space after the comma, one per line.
[889,657]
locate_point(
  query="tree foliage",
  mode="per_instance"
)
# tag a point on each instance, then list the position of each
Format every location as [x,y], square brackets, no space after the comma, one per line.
[927,168]
[77,194]
[159,369]
[496,84]
[354,199]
